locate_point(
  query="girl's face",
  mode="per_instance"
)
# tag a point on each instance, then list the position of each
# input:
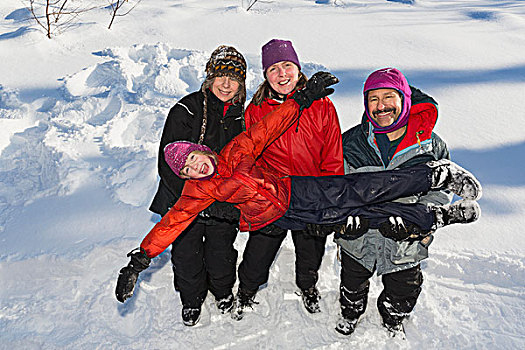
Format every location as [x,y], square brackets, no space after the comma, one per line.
[283,77]
[197,166]
[224,88]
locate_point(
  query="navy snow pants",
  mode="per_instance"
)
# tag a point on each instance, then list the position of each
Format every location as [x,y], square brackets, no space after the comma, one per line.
[331,199]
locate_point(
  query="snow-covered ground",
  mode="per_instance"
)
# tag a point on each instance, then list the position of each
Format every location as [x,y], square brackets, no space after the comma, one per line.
[80,121]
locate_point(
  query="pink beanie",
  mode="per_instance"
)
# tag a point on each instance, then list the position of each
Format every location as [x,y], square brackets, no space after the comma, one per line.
[176,154]
[389,78]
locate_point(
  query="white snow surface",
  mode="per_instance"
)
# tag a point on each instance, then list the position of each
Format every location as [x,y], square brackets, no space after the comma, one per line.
[80,121]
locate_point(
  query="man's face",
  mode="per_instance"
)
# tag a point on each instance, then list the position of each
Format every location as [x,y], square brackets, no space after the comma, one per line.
[197,166]
[384,106]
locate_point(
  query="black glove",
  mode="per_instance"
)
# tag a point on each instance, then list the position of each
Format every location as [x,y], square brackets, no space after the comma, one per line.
[221,211]
[319,230]
[272,230]
[355,228]
[129,274]
[316,88]
[395,228]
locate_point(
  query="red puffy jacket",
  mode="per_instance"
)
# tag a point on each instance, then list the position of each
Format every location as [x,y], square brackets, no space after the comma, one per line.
[314,148]
[261,194]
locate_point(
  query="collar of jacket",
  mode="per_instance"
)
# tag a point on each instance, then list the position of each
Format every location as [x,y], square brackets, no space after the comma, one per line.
[213,102]
[218,106]
[274,101]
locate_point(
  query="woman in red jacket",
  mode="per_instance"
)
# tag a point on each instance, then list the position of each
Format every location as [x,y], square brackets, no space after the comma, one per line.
[264,196]
[313,147]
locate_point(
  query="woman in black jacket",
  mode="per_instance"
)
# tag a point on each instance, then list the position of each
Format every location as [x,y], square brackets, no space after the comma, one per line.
[204,258]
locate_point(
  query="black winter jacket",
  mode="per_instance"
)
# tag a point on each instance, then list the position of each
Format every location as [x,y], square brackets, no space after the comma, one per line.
[184,123]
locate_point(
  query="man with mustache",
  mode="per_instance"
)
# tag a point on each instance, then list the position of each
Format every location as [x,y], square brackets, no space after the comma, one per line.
[396,132]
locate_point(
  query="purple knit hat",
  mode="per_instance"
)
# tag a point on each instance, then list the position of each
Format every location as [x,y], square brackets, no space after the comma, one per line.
[176,154]
[277,50]
[389,78]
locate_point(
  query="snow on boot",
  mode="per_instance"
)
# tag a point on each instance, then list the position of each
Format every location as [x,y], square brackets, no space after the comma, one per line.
[245,299]
[449,175]
[346,326]
[225,304]
[396,330]
[460,212]
[311,299]
[190,316]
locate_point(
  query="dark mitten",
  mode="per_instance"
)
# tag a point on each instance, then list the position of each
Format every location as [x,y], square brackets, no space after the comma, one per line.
[318,230]
[396,229]
[316,88]
[272,230]
[355,228]
[222,211]
[129,274]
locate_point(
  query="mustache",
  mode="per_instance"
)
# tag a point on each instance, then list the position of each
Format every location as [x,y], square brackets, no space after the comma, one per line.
[386,110]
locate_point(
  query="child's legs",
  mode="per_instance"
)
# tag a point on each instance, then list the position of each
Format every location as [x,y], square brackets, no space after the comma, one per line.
[355,190]
[299,214]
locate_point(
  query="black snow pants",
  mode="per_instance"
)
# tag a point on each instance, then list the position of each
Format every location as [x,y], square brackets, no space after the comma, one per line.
[331,199]
[398,298]
[260,252]
[204,259]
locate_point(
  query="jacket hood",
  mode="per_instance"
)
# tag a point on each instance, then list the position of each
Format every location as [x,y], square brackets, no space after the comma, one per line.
[389,78]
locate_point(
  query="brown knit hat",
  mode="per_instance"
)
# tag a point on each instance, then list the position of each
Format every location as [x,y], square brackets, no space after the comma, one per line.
[226,60]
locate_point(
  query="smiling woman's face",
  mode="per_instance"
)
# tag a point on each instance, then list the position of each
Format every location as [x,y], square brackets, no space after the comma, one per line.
[283,77]
[197,166]
[224,88]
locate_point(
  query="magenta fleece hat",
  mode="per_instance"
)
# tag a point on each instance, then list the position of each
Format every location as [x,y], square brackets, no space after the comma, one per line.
[176,154]
[389,78]
[277,50]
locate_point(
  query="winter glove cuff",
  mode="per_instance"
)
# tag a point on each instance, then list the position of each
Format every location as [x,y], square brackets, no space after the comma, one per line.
[139,260]
[318,230]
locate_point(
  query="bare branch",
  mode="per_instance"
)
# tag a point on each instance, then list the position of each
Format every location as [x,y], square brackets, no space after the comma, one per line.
[116,6]
[55,15]
[250,6]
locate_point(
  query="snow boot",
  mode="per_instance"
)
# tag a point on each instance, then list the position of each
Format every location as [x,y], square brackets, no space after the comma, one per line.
[190,315]
[449,175]
[245,299]
[225,304]
[346,326]
[311,299]
[460,212]
[395,330]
